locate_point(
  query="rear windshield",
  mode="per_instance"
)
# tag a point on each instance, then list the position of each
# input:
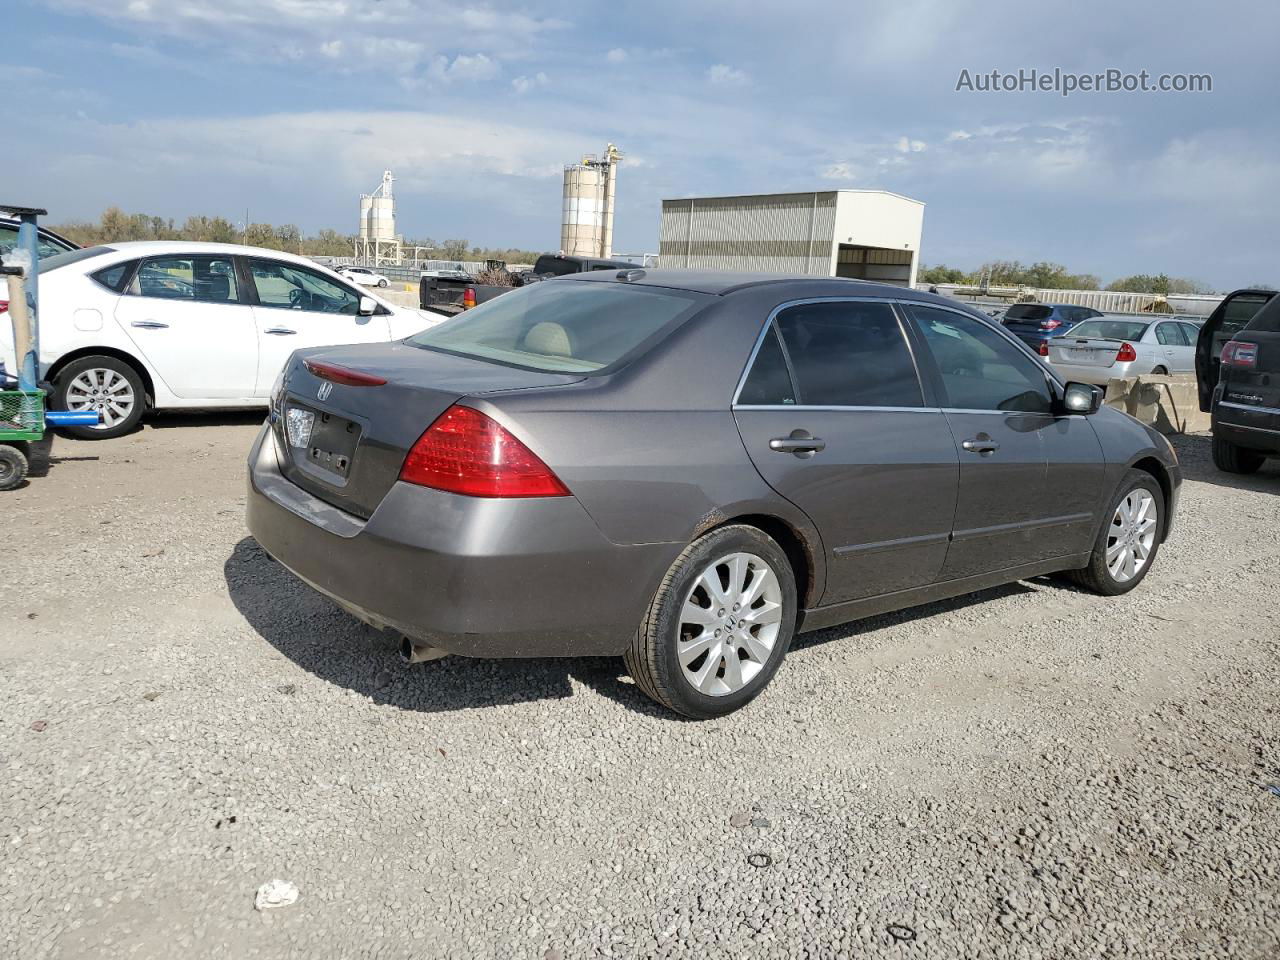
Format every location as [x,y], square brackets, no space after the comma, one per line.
[1027,311]
[558,266]
[567,327]
[1267,320]
[72,256]
[1239,311]
[1109,329]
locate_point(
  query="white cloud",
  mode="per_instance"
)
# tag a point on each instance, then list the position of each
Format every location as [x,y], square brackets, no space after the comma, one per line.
[905,145]
[464,67]
[840,171]
[724,75]
[331,49]
[523,85]
[616,55]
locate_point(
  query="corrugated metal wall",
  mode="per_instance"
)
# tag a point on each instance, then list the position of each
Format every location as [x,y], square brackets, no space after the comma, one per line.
[776,233]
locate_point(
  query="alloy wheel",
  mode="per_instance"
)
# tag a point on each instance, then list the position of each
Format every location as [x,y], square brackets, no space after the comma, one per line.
[729,624]
[1132,535]
[104,391]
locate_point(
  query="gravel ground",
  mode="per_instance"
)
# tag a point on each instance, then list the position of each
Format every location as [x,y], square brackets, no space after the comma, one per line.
[1030,772]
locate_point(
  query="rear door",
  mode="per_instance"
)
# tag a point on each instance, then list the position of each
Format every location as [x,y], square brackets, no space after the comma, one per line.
[1228,318]
[1029,479]
[300,307]
[1177,352]
[189,317]
[833,415]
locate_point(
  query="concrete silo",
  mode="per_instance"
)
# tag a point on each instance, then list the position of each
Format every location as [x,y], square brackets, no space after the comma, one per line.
[377,242]
[586,225]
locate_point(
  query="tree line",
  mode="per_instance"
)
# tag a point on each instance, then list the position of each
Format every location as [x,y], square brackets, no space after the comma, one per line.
[1054,276]
[116,226]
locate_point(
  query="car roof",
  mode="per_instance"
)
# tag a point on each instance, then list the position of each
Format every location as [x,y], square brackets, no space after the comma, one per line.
[151,248]
[724,282]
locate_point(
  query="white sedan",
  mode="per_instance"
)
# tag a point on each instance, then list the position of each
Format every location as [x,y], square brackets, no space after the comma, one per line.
[168,325]
[363,276]
[1105,348]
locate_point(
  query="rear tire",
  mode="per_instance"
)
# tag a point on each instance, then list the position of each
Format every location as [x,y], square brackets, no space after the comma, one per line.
[706,661]
[1159,372]
[13,467]
[382,283]
[1114,542]
[1233,459]
[75,390]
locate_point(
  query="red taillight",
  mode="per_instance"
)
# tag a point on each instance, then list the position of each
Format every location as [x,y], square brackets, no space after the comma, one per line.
[466,452]
[1043,348]
[1237,353]
[1050,324]
[1126,353]
[468,298]
[4,306]
[343,375]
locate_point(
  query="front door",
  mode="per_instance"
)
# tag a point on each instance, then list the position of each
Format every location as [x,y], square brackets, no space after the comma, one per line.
[189,317]
[1029,479]
[300,307]
[833,416]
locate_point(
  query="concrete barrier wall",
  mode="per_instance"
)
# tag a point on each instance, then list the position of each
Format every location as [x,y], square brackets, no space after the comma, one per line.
[1171,404]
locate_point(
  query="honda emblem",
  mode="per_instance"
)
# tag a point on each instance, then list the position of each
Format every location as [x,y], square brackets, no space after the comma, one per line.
[326,388]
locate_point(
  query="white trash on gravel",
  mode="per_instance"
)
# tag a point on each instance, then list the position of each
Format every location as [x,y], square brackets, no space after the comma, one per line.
[275,893]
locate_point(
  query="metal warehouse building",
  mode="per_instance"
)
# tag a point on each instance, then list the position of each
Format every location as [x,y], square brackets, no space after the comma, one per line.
[864,234]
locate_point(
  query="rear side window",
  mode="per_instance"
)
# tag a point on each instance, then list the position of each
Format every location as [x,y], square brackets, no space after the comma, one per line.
[570,327]
[200,279]
[113,277]
[557,266]
[769,382]
[849,354]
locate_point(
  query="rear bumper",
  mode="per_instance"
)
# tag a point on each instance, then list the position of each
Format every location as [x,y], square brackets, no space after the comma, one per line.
[478,577]
[1253,429]
[1098,376]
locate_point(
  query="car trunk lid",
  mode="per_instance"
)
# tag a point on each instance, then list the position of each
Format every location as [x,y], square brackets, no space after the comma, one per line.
[343,436]
[1084,352]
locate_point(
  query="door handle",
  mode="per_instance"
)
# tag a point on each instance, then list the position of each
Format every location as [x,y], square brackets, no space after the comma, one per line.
[802,443]
[149,325]
[981,444]
[280,331]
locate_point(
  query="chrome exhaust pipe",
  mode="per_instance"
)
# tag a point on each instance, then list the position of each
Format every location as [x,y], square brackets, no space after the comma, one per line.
[411,652]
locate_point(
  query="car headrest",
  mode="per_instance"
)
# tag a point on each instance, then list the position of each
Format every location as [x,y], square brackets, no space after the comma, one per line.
[549,339]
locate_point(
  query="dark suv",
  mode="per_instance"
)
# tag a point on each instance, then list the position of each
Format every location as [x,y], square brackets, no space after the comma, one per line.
[1238,375]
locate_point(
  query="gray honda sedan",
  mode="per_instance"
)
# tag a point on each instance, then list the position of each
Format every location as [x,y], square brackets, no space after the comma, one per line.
[687,468]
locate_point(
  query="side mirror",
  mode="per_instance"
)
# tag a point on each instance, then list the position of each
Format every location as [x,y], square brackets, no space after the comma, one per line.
[368,306]
[1082,398]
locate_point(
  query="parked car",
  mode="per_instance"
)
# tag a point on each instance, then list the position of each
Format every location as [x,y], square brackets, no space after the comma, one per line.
[167,325]
[363,276]
[446,292]
[1035,323]
[1229,317]
[1109,347]
[686,468]
[1246,398]
[48,242]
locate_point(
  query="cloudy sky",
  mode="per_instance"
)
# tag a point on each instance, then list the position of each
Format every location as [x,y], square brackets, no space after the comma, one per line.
[291,108]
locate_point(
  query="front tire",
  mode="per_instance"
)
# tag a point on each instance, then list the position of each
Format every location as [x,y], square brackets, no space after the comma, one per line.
[1129,539]
[719,624]
[382,283]
[1230,458]
[107,385]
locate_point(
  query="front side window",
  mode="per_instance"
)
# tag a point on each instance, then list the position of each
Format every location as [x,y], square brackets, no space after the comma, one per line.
[849,354]
[288,286]
[980,369]
[199,279]
[1191,332]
